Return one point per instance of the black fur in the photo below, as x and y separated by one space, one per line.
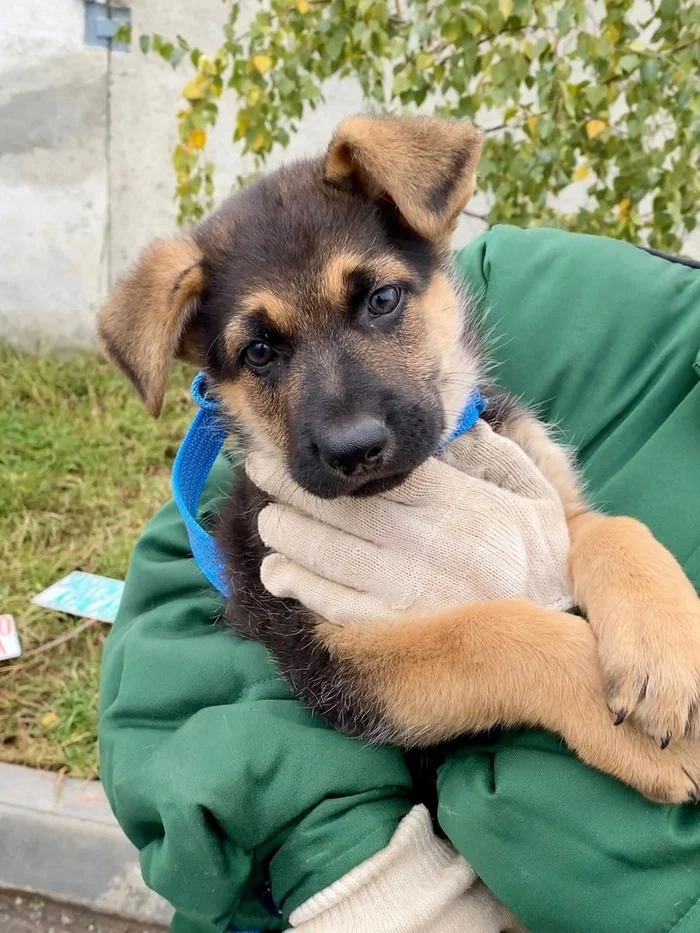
324 683
439 197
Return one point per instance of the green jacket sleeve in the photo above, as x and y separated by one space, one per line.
603 338
216 773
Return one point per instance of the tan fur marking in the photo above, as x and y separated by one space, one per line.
426 165
646 616
553 459
333 284
506 662
335 274
442 314
143 322
280 312
238 399
641 607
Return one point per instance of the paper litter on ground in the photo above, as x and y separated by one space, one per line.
9 640
84 594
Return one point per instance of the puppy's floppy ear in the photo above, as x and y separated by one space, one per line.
425 165
143 324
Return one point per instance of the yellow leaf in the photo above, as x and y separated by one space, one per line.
241 124
506 8
258 143
262 63
624 207
613 33
595 128
637 46
197 139
206 66
303 6
423 61
532 122
581 172
253 95
49 719
195 89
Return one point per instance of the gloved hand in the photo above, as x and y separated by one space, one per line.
417 884
492 529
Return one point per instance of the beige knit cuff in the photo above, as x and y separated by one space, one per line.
417 884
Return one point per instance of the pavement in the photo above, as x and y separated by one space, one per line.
21 913
61 843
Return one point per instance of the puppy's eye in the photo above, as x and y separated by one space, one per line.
385 299
258 355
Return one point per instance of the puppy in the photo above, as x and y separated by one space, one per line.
322 304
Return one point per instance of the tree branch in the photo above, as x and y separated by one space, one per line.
474 216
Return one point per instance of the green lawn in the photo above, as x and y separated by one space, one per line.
82 468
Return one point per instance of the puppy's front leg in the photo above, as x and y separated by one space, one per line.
646 616
421 680
641 606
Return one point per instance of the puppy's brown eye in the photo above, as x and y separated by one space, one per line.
385 299
258 355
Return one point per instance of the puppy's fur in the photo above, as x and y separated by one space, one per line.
322 304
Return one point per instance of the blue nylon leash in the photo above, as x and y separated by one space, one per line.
201 446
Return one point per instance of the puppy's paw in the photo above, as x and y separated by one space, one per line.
670 776
650 655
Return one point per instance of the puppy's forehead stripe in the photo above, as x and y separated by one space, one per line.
263 303
278 310
339 268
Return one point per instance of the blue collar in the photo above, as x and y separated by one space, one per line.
200 448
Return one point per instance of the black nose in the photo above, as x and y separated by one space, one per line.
354 447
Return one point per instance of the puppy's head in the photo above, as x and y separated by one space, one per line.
321 304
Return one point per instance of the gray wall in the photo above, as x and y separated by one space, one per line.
85 144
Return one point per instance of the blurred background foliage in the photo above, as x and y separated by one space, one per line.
605 94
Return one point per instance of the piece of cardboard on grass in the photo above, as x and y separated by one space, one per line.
84 594
9 640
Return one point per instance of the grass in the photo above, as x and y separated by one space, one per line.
82 469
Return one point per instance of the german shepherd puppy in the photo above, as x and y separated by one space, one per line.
322 304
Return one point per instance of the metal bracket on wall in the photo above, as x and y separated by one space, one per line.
103 22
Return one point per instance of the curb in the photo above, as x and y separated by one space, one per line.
61 840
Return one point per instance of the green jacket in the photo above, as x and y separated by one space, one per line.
223 780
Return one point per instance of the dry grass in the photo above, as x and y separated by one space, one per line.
82 468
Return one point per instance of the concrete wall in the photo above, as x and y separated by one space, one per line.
53 177
85 145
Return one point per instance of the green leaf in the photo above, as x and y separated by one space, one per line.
166 50
648 71
506 8
629 62
145 44
595 95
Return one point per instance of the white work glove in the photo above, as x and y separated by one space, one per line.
417 884
492 529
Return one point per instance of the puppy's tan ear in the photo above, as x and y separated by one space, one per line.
426 166
143 324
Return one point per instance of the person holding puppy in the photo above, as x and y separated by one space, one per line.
248 811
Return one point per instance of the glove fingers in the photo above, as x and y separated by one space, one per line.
362 518
426 484
288 580
499 460
329 552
